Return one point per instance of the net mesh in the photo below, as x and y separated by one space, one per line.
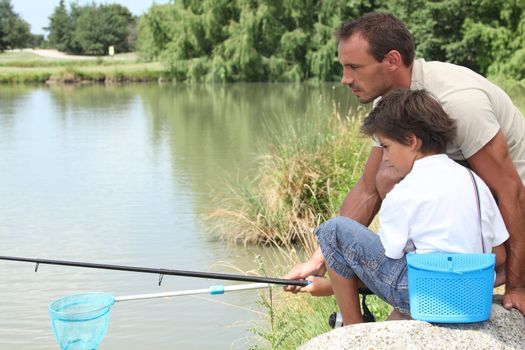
80 321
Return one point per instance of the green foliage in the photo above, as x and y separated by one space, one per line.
486 36
91 29
99 27
293 320
14 31
291 323
60 30
241 40
292 40
301 183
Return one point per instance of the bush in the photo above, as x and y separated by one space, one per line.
299 184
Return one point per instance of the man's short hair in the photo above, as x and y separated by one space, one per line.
403 112
384 33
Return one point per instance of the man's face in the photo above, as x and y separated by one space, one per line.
364 75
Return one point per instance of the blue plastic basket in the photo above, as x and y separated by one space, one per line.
450 288
80 321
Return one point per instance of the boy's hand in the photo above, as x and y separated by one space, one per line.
319 287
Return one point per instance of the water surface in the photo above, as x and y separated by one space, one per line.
123 175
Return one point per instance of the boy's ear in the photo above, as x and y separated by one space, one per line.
413 142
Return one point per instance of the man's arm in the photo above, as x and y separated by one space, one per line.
494 165
363 201
360 204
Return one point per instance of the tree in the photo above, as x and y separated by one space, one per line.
479 34
292 40
38 40
98 27
91 29
14 31
60 30
245 40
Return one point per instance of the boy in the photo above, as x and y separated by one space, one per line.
433 209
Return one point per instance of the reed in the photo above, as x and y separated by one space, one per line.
291 320
300 183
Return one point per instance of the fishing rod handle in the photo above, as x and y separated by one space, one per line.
213 290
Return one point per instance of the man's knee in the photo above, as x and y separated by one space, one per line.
387 177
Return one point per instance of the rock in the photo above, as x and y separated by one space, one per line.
504 330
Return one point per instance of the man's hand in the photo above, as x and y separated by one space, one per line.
315 266
514 298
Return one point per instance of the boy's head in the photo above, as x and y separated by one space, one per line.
402 113
412 123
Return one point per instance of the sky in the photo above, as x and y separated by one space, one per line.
37 12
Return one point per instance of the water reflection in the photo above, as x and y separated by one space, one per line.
215 131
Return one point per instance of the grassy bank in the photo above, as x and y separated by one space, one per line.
25 67
299 184
292 320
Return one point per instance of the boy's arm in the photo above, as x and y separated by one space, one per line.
320 287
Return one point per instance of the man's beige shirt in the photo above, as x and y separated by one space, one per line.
479 107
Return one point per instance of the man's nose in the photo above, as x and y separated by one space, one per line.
347 78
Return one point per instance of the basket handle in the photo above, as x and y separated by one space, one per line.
434 269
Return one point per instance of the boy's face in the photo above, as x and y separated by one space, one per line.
399 156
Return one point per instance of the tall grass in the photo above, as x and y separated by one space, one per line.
312 164
292 320
300 183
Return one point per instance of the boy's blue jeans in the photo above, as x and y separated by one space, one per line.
352 250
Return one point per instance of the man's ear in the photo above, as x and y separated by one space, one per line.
393 60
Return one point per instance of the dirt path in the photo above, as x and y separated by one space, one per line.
56 54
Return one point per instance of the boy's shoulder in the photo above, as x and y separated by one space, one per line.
430 176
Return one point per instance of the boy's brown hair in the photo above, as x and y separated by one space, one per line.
403 112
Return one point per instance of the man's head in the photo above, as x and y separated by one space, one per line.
409 124
376 52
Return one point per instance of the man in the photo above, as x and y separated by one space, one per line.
377 55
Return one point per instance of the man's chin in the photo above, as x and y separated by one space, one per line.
365 99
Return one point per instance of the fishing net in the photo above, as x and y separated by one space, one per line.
80 321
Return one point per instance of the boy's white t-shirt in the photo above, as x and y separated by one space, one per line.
435 207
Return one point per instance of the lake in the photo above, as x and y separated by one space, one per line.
125 175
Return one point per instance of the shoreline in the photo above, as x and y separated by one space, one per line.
54 67
78 81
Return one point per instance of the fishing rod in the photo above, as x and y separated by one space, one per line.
160 271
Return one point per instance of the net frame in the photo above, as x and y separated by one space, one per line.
80 321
